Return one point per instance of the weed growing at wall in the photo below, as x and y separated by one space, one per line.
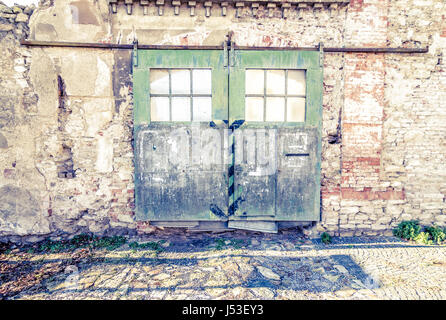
82 241
4 248
147 245
325 238
408 230
221 244
437 234
411 230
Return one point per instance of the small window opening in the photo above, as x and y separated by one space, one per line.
180 95
275 95
65 163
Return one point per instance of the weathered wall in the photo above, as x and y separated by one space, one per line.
22 197
393 120
66 159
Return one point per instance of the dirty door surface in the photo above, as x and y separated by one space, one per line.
190 167
180 171
277 96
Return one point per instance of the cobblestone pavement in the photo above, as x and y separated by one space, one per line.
243 265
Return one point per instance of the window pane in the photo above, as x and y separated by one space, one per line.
275 109
201 81
180 81
296 82
254 81
159 109
296 110
159 81
202 109
275 81
181 109
254 109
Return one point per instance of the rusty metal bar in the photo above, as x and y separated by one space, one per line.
379 50
339 49
236 47
35 43
174 47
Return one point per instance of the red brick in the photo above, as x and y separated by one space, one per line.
367 194
330 191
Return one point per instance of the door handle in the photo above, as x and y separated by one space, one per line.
297 154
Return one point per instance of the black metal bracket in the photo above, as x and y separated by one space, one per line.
231 54
135 53
321 54
225 53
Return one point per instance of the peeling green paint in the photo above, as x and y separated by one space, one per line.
193 193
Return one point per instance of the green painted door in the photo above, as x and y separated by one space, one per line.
277 96
225 136
180 169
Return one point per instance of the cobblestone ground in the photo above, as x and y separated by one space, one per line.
241 265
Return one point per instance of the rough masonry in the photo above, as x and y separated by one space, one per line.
66 157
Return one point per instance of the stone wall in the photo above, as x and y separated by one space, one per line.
22 211
393 120
66 158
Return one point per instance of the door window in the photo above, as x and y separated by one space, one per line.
180 95
275 95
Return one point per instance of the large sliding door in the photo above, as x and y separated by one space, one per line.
180 172
228 136
278 95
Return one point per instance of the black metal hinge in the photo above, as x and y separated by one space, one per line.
321 54
135 53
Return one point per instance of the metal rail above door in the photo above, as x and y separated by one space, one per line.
37 43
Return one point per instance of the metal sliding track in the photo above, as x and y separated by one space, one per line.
36 43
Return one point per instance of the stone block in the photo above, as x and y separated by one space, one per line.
349 210
379 227
104 155
21 17
6 27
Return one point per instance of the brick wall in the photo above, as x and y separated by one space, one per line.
393 116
